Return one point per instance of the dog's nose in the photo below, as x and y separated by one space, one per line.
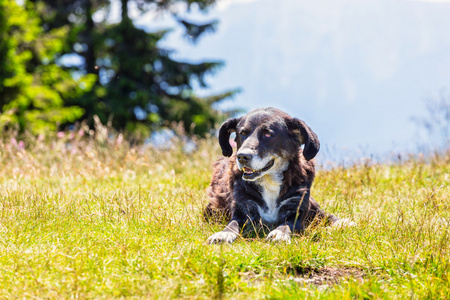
244 158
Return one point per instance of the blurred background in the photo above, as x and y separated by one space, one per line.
371 78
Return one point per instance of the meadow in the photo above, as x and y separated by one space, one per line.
92 217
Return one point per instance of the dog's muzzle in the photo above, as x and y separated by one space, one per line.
250 174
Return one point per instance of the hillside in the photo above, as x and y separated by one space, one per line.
100 219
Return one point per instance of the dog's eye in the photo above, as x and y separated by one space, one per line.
243 133
268 134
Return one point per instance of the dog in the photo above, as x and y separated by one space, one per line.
268 180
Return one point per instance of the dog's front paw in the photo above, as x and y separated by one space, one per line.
341 223
277 235
222 237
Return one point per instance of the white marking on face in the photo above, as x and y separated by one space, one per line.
257 163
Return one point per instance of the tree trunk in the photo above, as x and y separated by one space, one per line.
125 17
90 59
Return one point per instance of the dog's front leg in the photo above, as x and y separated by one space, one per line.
243 214
228 235
284 232
291 219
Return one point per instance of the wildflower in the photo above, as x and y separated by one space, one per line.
119 139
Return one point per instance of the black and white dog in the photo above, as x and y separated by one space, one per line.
268 180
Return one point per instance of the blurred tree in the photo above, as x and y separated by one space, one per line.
435 123
139 87
33 88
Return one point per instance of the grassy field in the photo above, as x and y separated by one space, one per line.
98 219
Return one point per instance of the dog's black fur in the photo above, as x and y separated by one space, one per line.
268 180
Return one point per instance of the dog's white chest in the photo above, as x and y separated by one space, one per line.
270 190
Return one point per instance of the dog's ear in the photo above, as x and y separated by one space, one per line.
224 135
306 137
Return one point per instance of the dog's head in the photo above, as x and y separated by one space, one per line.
267 139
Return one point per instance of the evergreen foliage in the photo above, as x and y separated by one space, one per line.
138 86
33 87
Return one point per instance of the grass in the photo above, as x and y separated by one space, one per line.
86 218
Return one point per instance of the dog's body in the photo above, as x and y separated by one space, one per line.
268 180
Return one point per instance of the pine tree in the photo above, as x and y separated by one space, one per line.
139 86
33 88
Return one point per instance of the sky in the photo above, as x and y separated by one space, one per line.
357 72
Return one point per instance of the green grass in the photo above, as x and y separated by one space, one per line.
104 220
